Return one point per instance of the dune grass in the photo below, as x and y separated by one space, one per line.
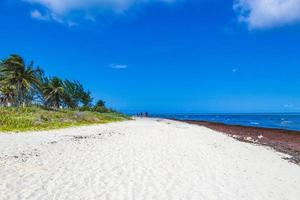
34 118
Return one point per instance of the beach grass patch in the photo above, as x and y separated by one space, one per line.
35 118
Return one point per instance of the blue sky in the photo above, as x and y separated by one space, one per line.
165 55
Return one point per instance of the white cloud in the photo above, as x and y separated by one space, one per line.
260 14
62 8
38 15
118 66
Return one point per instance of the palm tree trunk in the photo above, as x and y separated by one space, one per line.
22 97
19 92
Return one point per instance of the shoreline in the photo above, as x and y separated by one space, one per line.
284 141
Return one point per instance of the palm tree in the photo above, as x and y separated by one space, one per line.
7 94
86 99
72 93
54 92
37 93
22 84
22 77
76 95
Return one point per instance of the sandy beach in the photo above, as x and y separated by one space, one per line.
142 159
284 141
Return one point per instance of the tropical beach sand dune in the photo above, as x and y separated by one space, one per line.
142 159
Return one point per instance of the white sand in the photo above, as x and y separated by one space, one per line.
142 159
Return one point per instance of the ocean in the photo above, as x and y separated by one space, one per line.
278 121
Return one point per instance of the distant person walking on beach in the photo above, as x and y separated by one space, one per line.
143 114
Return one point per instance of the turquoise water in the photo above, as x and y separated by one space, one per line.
279 121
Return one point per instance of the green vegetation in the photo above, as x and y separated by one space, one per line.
29 100
34 118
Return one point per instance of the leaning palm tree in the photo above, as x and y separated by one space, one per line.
17 74
37 96
72 93
76 95
86 98
54 92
